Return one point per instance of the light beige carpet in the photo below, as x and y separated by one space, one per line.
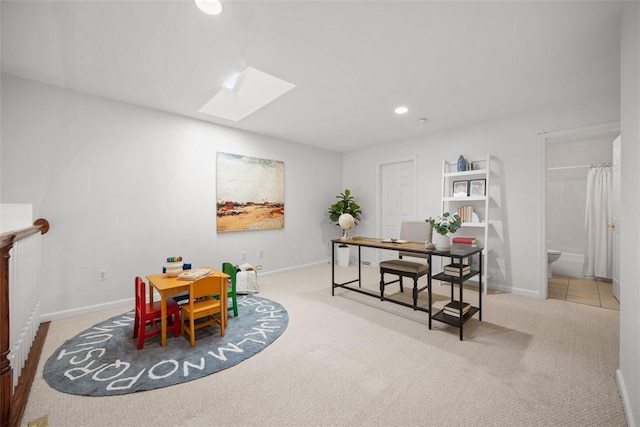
352 360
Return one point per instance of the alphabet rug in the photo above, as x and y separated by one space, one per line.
104 360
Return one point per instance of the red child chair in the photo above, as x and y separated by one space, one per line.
148 315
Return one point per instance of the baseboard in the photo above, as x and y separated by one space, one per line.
126 303
626 404
515 291
297 267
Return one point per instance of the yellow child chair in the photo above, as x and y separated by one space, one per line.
202 304
230 269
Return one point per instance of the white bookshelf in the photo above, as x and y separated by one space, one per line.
480 202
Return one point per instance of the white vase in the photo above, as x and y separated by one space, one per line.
442 242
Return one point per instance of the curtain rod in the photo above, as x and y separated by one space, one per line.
592 165
583 131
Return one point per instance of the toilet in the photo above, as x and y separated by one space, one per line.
552 256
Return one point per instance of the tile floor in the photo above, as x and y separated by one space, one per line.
582 291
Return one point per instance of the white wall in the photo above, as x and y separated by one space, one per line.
125 187
517 249
629 372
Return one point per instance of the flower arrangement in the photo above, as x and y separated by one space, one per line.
446 223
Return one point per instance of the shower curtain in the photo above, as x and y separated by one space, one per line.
598 216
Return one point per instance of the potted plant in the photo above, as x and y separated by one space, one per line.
345 205
442 226
344 213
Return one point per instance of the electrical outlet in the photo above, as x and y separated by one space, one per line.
244 256
102 275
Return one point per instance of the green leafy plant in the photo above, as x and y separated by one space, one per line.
345 204
446 223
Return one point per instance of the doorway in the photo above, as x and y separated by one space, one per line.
397 203
571 156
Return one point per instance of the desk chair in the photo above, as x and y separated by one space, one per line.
202 304
413 231
231 270
147 315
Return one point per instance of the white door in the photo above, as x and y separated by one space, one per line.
614 226
397 199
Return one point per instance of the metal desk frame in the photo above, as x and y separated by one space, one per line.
457 252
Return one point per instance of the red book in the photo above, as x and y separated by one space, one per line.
467 240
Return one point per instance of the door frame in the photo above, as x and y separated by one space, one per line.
617 184
594 130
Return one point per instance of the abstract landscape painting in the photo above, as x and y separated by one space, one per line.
250 193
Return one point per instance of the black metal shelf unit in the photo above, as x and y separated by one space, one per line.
459 280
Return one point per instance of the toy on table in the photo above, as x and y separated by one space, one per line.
173 267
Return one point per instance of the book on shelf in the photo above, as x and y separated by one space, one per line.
464 240
454 269
456 266
454 307
455 273
465 213
465 267
453 313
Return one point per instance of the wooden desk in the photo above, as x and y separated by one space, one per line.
457 253
167 286
410 247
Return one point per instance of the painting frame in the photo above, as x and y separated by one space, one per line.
478 187
460 189
249 193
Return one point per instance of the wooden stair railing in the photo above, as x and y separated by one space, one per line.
13 402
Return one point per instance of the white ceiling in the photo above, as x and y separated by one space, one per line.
353 62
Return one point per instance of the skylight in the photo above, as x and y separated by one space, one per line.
246 93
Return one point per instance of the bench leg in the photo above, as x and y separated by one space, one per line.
382 286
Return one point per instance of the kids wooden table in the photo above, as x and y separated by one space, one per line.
167 286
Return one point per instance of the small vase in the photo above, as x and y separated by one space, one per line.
345 234
462 163
442 242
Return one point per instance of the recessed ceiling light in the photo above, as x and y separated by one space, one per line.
421 121
210 7
401 110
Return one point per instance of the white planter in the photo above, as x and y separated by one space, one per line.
342 254
442 242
